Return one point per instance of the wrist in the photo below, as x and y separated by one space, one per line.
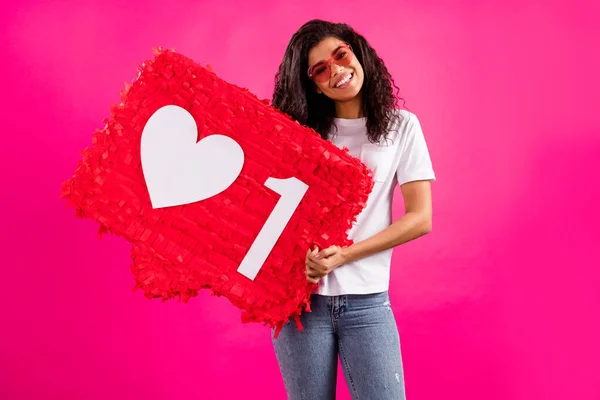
348 254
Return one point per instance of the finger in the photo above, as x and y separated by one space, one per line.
313 276
315 273
328 252
322 264
312 252
309 254
319 268
315 256
316 268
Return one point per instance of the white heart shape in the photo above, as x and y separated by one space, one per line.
177 169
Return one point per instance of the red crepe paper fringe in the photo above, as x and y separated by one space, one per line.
180 250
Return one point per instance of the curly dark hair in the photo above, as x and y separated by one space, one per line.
295 93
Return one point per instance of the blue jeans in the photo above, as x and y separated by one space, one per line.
361 330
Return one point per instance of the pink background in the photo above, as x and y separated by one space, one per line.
500 301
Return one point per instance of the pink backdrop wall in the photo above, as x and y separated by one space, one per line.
499 302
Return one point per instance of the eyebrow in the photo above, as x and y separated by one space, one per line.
337 48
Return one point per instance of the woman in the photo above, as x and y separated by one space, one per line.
332 80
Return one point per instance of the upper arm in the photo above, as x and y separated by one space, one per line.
415 162
417 197
415 171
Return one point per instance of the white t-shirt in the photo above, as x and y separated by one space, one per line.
402 158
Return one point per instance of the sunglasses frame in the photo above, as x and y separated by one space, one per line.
330 60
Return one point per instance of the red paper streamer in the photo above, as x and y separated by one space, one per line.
179 250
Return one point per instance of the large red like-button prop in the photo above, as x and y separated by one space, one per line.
216 189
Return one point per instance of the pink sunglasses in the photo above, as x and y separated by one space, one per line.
321 71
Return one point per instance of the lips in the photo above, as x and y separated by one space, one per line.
344 80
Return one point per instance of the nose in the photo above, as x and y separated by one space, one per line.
335 69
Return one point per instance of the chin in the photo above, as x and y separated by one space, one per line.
347 96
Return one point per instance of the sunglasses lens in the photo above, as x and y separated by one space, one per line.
321 73
343 57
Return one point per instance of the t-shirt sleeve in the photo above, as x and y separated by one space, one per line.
415 161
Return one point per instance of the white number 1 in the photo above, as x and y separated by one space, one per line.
292 190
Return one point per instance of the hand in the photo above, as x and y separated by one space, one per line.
320 263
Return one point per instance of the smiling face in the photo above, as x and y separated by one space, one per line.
335 70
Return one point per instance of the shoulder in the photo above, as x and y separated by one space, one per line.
406 120
404 125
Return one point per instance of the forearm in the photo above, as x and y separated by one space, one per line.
410 226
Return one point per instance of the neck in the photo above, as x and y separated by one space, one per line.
351 109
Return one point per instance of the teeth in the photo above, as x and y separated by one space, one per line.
343 80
